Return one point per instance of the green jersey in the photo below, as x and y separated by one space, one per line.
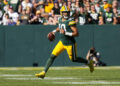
108 17
66 40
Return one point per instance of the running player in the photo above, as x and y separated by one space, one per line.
68 31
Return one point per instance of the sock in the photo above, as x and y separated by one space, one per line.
49 62
81 60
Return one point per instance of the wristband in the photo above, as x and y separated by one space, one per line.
54 31
68 34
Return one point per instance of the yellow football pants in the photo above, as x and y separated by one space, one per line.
71 50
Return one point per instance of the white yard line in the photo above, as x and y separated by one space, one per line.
13 75
46 78
24 75
90 82
68 78
57 68
23 78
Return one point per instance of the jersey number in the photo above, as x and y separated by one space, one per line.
62 26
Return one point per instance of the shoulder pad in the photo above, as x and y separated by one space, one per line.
72 23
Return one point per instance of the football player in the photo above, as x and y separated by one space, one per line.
68 31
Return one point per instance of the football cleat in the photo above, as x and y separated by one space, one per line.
91 65
40 75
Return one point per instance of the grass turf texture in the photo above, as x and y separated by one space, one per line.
60 76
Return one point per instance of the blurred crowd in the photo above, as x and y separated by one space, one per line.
47 12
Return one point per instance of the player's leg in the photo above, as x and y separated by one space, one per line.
72 52
56 51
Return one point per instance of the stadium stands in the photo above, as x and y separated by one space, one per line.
23 12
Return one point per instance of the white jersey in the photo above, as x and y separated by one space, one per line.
14 1
1 13
5 20
25 5
97 9
14 16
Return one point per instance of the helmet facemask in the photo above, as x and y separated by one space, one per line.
65 14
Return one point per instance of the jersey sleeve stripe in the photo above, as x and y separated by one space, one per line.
72 23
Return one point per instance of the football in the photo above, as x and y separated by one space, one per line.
51 36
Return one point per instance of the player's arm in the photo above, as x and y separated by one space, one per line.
53 32
75 31
56 30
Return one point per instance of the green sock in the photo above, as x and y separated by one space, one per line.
81 60
49 62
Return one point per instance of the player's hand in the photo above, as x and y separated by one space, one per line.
50 32
62 31
53 33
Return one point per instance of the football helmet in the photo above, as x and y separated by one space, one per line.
65 9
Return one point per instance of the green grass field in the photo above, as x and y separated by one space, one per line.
60 76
